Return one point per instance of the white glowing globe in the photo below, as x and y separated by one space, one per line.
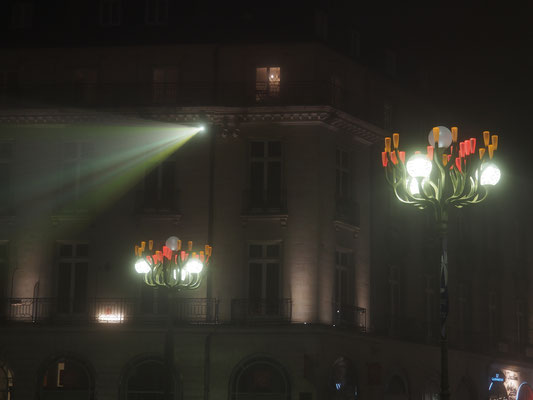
445 137
172 243
413 187
194 266
142 266
490 174
419 166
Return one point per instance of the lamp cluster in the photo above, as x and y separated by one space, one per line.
460 178
172 266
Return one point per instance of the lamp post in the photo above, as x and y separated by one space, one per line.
171 267
450 174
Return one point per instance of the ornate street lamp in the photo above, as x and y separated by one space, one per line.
449 174
172 267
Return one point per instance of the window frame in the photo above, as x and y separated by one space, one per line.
73 260
270 89
159 169
264 260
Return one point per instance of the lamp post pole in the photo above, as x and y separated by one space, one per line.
460 178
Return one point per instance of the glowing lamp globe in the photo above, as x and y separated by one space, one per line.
490 174
141 266
445 137
418 166
172 243
194 266
413 187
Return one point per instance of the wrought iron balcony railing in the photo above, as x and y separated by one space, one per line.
348 315
261 310
108 310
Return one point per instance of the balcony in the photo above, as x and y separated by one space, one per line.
350 316
250 311
107 311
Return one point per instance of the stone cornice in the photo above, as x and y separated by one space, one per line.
362 131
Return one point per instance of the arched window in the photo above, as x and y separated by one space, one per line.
525 392
147 380
263 379
497 390
66 378
6 382
396 389
343 385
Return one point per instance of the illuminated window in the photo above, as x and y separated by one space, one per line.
146 380
156 12
4 268
73 270
76 174
165 85
265 176
6 157
267 83
22 15
110 12
264 260
159 193
264 379
67 378
6 382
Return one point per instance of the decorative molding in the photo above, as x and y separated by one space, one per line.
282 218
362 131
347 227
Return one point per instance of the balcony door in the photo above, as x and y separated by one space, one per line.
264 278
73 270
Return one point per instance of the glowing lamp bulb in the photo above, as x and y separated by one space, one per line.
172 243
490 174
445 137
194 266
418 166
142 266
413 187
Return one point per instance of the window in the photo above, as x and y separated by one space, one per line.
22 15
156 12
73 270
67 378
265 176
159 194
344 288
6 156
267 83
264 379
4 268
110 12
165 85
264 278
147 380
6 382
343 176
75 175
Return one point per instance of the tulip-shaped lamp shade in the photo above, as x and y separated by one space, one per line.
445 137
141 266
194 266
490 174
418 166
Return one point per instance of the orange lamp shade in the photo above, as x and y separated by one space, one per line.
402 156
430 152
393 158
458 163
472 145
143 246
444 159
384 160
179 245
486 137
495 141
491 151
481 153
189 245
436 136
137 251
462 149
467 147
454 134
396 139
387 143
150 244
